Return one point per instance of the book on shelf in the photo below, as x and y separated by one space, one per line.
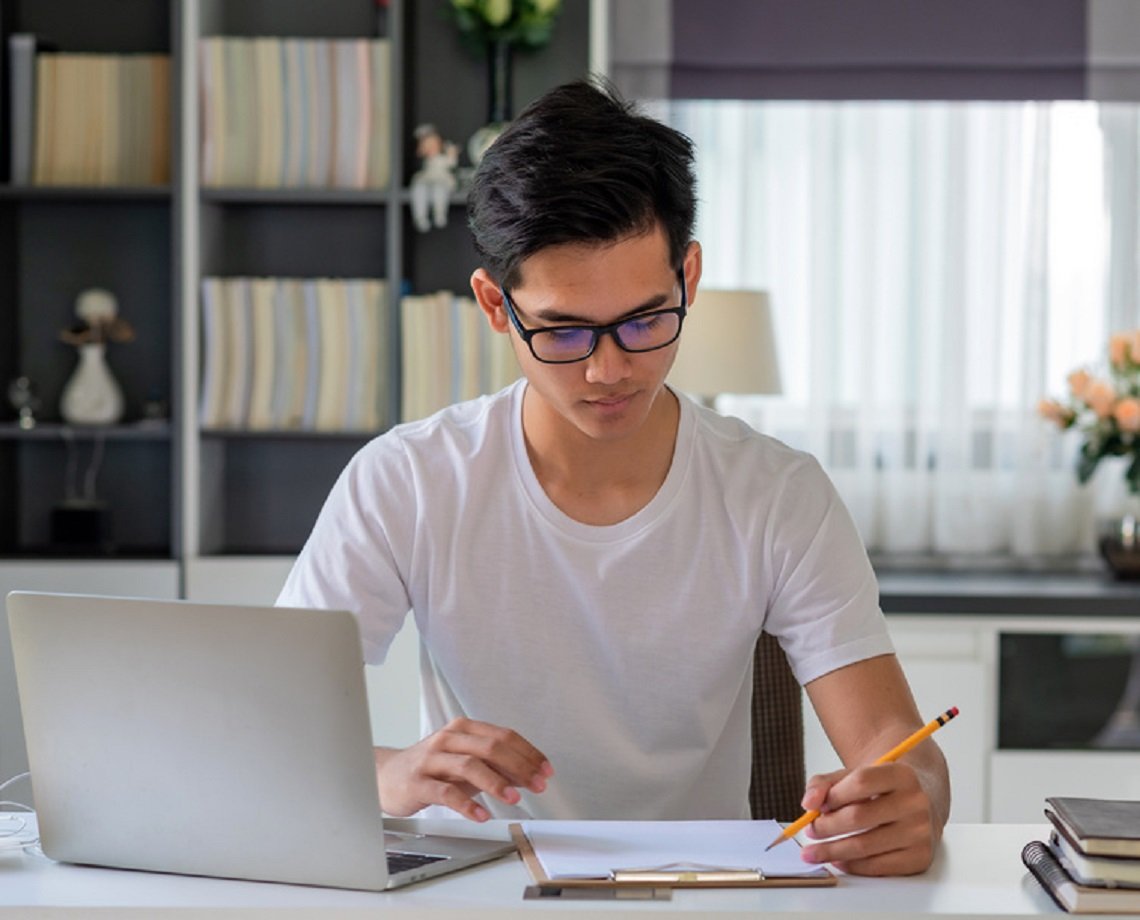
22 50
334 367
295 112
1070 894
294 354
449 353
95 119
1099 827
264 310
215 354
238 332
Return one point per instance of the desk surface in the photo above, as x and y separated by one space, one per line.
978 873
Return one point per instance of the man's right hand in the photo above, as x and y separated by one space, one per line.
453 765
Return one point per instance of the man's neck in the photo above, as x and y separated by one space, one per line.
600 482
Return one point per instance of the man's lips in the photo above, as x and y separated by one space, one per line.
614 400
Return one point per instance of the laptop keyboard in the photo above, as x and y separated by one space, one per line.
401 862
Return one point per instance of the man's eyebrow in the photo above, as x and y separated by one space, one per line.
557 316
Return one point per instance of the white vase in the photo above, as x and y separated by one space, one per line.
92 396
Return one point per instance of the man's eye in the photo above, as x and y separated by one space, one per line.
566 335
645 323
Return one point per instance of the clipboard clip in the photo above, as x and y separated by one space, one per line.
680 873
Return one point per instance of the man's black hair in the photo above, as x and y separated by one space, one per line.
580 165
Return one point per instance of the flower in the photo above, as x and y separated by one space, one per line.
99 320
1106 408
526 23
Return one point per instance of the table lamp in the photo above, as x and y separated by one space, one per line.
727 346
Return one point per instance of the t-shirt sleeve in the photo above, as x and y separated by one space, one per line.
352 560
824 603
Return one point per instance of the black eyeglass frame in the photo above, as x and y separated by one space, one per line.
610 329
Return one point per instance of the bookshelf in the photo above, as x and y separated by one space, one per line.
56 241
184 495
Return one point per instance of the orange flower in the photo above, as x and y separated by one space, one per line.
1079 381
1119 347
1053 411
1101 397
1127 414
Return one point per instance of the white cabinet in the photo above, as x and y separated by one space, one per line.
140 579
393 689
946 667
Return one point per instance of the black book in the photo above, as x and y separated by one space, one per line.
1099 827
1071 895
1094 870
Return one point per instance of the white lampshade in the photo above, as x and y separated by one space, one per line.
727 346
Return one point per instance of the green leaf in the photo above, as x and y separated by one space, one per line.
1087 462
1132 474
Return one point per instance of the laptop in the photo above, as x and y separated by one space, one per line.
208 739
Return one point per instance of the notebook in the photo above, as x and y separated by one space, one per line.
1071 895
1099 827
211 740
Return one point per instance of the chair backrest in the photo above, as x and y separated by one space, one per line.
777 735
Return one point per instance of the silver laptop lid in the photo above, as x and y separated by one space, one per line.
203 739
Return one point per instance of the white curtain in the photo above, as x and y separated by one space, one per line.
934 269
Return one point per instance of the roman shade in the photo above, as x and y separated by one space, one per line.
876 49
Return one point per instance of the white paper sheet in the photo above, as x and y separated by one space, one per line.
594 849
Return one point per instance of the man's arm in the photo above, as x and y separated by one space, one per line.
453 765
898 809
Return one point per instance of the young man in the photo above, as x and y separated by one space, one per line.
590 556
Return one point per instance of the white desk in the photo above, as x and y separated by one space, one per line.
978 873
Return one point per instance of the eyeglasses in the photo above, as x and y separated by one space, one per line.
567 344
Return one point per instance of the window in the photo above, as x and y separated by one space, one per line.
934 269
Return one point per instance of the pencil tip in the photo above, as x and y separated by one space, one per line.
773 843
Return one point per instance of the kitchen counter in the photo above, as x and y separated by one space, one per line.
1026 593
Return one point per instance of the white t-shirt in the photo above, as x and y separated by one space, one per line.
622 652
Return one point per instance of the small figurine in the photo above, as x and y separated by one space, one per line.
433 184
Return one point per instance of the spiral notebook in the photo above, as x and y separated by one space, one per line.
1071 895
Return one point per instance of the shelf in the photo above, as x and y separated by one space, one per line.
455 199
239 434
276 196
85 192
55 431
58 553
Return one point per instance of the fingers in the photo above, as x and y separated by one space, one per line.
875 820
504 751
815 795
878 852
456 764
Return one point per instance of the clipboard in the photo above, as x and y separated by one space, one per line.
666 878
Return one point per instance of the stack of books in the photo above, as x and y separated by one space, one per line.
295 113
87 119
449 353
1091 862
306 354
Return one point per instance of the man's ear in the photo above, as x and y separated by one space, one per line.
693 265
490 299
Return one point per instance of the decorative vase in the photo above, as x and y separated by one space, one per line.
92 396
500 73
1118 539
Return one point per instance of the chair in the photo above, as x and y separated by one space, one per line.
777 735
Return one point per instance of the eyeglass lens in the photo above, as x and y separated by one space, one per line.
642 333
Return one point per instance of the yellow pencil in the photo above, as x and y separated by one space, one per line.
893 754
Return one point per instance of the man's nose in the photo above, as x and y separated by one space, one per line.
609 363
